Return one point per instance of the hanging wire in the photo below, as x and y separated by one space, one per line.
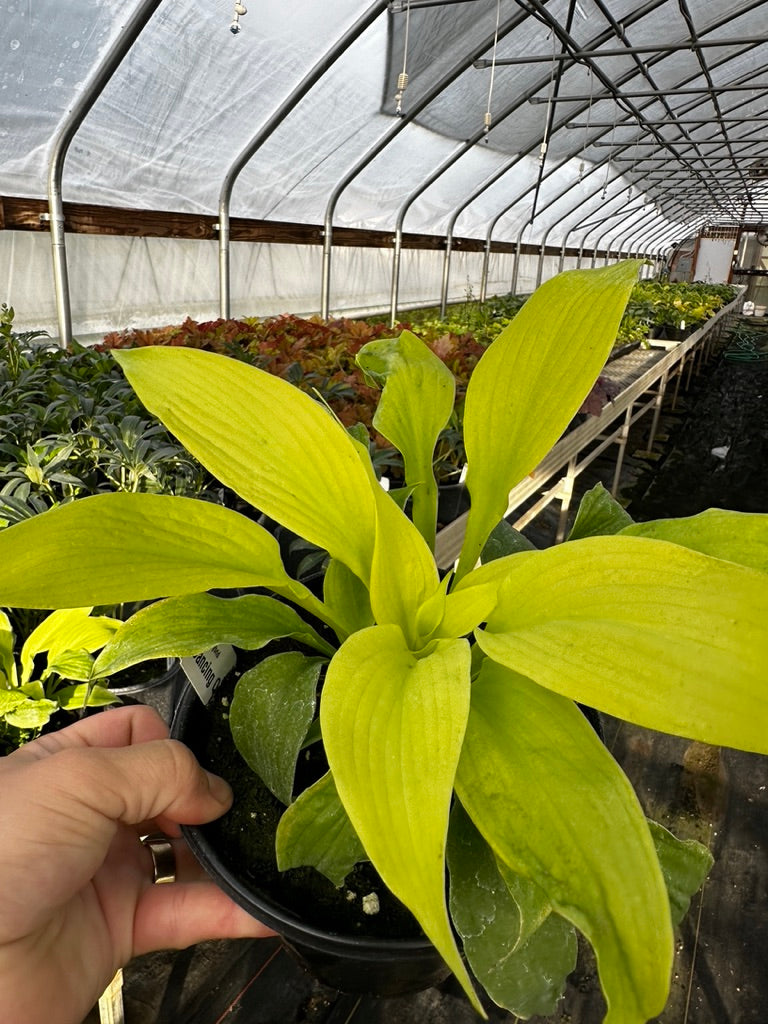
588 124
550 98
608 161
632 169
402 78
487 118
554 86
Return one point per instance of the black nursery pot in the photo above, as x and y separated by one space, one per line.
349 962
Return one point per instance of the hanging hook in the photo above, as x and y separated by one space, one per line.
236 27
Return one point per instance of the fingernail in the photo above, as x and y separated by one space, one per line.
220 789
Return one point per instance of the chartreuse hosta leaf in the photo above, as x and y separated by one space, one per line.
73 665
316 832
275 446
347 598
554 806
530 382
392 725
523 972
475 597
416 403
10 700
181 627
111 548
273 706
404 575
68 629
644 630
734 536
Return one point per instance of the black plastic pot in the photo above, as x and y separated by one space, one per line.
349 963
156 683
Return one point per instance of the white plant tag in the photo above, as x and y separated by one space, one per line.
205 671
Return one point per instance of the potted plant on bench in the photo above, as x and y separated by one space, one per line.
447 706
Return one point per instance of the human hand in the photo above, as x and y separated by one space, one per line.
76 889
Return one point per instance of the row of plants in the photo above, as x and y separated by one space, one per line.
453 759
657 307
71 425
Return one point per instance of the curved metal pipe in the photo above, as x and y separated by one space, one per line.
327 61
559 220
387 137
83 104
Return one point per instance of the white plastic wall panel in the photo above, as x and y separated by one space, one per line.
714 259
190 96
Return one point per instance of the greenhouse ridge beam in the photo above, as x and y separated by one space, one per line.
686 44
654 93
600 75
641 69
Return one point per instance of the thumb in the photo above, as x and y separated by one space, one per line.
135 784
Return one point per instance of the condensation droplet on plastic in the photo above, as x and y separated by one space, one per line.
14 44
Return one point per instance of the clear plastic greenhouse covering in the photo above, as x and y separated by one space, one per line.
366 154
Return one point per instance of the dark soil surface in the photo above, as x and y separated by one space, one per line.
718 455
244 838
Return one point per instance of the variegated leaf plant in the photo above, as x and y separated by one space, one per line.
448 709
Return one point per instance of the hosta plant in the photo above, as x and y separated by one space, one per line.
447 706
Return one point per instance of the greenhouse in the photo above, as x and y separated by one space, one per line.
382 416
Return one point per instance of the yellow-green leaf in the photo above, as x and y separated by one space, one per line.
735 536
73 697
404 575
8 675
530 382
181 627
68 629
416 403
271 443
111 548
554 805
642 629
315 831
393 725
346 597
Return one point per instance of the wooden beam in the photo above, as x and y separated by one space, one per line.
22 214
